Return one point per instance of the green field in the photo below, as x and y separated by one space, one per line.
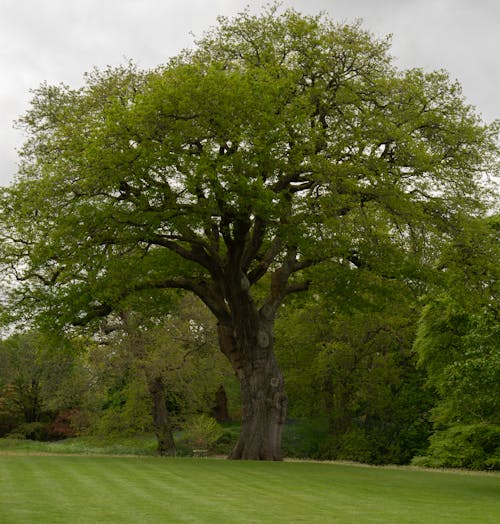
102 489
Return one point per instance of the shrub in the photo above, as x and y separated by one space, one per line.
225 444
474 446
31 431
201 432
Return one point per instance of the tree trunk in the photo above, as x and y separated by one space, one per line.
220 410
263 397
161 418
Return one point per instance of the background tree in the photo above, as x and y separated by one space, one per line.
155 375
346 353
279 142
458 344
42 381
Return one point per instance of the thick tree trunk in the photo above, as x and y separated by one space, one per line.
161 418
264 401
264 405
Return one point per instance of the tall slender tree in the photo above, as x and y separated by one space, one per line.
278 142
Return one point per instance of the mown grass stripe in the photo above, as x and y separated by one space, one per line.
55 489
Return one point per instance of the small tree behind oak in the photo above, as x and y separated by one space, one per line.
278 142
151 374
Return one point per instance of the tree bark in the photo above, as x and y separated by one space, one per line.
263 397
220 410
161 417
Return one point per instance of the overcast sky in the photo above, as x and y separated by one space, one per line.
58 40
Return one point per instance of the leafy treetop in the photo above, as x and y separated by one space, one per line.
279 141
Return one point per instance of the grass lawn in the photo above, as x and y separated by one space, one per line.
102 489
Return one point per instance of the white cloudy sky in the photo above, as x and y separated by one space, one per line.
58 40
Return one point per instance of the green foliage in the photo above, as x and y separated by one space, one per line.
304 438
179 353
279 143
84 445
458 343
226 442
475 446
41 376
201 432
126 411
350 365
292 134
10 414
460 348
30 430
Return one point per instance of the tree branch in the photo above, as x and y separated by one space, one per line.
255 243
279 282
260 270
197 252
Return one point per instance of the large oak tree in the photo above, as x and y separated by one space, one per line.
279 142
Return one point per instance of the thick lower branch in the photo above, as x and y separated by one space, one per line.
197 252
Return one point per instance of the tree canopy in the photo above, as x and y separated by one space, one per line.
280 142
458 344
